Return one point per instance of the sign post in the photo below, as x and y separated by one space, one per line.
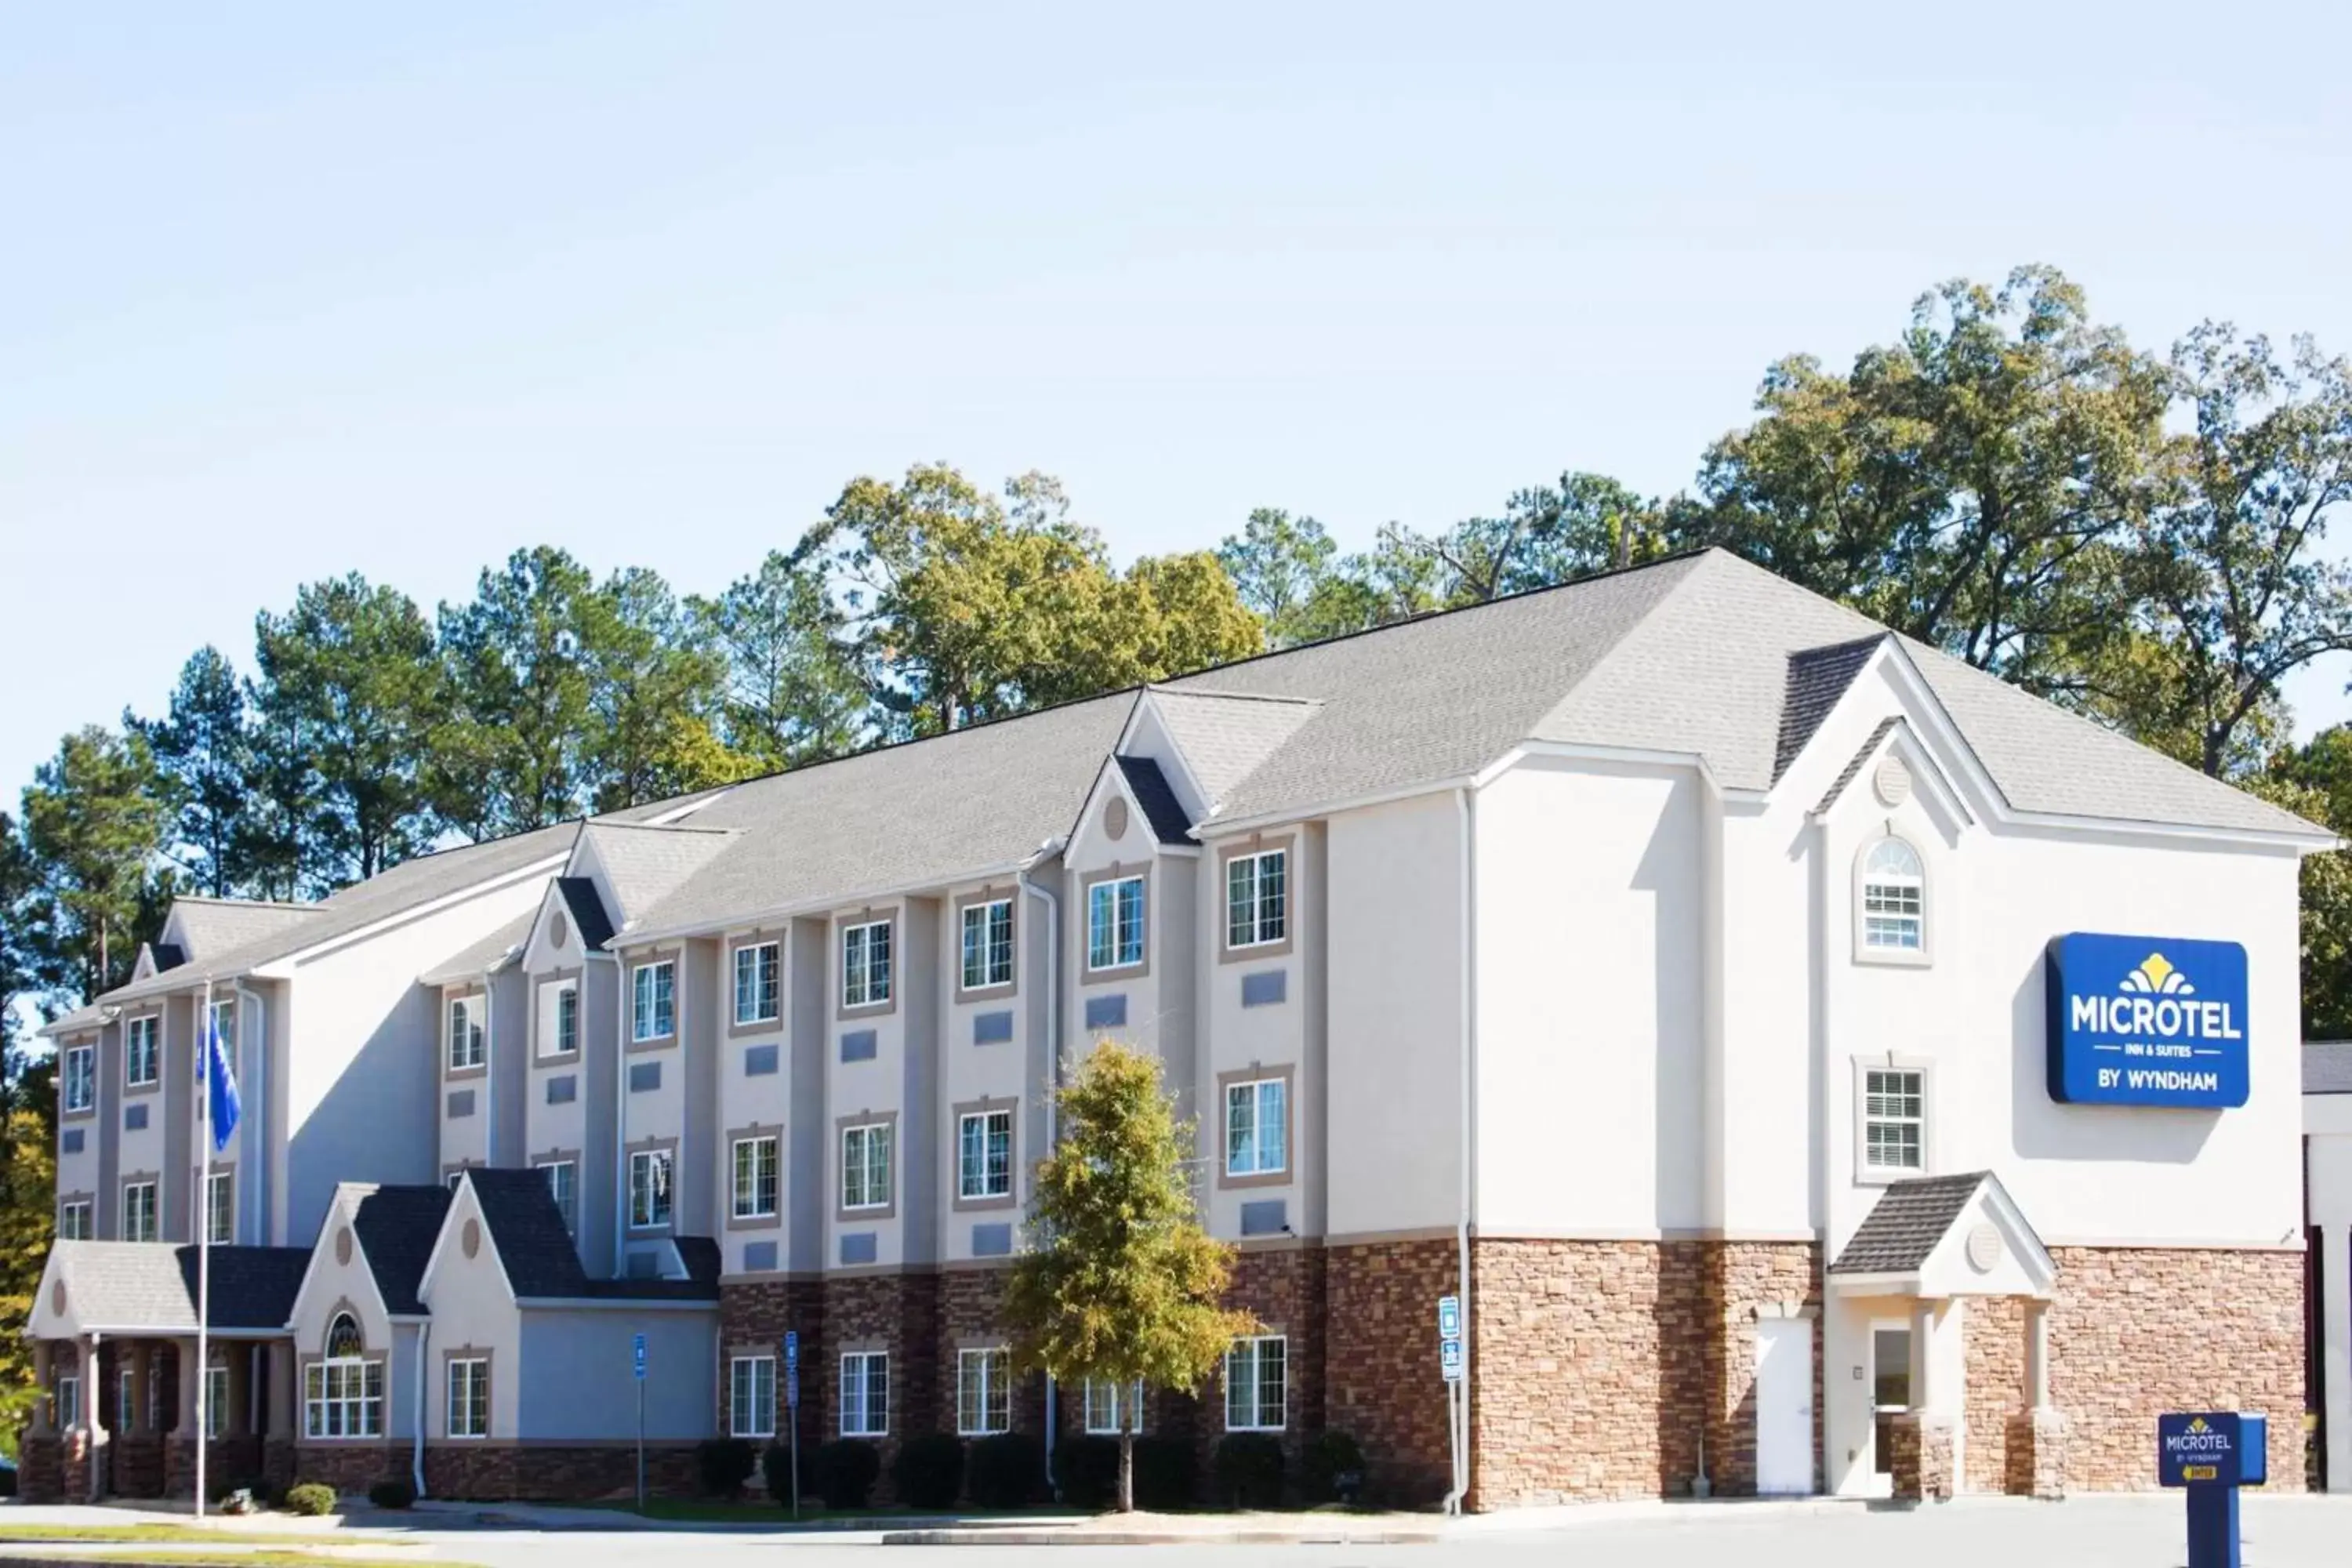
1449 1368
638 1351
792 1410
2211 1454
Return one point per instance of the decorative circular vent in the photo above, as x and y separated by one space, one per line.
471 1237
343 1246
1892 780
558 928
57 1299
1115 817
1984 1248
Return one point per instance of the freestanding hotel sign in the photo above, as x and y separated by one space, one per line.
2212 1452
2146 1020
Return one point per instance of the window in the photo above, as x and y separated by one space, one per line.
1255 1383
1894 1120
755 1177
988 944
1115 923
465 1032
984 1154
81 1077
469 1397
564 1040
68 1401
751 1396
220 1208
755 984
138 1211
866 964
866 1166
649 1189
342 1395
653 996
864 1393
143 1061
563 1186
73 1221
1894 898
126 1402
1106 1402
216 1400
1256 910
224 1021
1257 1127
983 1392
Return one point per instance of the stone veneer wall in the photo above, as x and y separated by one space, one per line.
898 1313
753 1316
1992 1341
969 1301
352 1468
494 1471
1284 1286
1380 1382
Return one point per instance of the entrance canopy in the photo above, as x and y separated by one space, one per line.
148 1289
1938 1236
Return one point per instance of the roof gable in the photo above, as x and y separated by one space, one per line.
1936 1237
153 1287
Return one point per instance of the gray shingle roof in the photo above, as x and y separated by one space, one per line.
542 1262
645 865
1224 735
1161 809
1818 677
220 925
397 1227
1853 763
1903 1226
2327 1067
492 951
588 915
153 1286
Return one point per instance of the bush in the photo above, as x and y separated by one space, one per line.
776 1469
1163 1474
1086 1470
392 1491
1248 1470
1329 1456
928 1471
846 1471
1008 1470
723 1465
8 1481
309 1498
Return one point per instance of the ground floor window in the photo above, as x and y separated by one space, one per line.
342 1395
1256 1383
69 1402
1890 1391
864 1393
215 1401
983 1392
469 1397
1107 1402
751 1396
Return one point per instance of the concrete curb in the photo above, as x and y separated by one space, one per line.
1076 1537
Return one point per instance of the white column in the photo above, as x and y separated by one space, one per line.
2037 1355
1923 1358
2336 1351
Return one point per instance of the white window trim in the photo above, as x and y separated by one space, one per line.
360 1406
1111 885
668 1157
640 1030
866 1359
1256 1384
1865 1173
963 1186
1919 957
69 1396
1122 1399
735 1177
889 1165
477 1375
762 1412
86 1080
571 1220
1257 859
983 910
1257 1125
152 1055
472 1034
865 966
997 1357
776 1001
153 1228
221 1181
550 1046
86 1229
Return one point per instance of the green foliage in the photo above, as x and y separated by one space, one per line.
723 1463
791 694
846 1471
393 1492
776 1471
1327 1456
204 747
309 1498
1086 1468
1248 1471
96 819
928 1470
1008 1470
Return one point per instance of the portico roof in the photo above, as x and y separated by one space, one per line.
149 1289
1934 1237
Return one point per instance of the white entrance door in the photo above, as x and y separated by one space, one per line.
1784 1407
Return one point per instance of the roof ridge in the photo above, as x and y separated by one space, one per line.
599 826
304 908
1225 694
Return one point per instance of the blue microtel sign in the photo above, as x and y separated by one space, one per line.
2146 1020
2212 1447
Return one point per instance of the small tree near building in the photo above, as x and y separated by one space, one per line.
1123 1285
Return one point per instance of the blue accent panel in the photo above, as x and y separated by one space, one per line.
758 1061
644 1076
991 1028
992 1240
1107 1011
71 1141
461 1103
2146 1020
562 1090
858 1045
759 1257
134 1119
1266 1217
858 1247
1265 987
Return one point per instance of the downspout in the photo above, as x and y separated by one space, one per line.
1054 1056
416 1421
490 1068
622 1002
1466 817
257 1131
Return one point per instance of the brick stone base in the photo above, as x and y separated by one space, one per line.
136 1467
490 1472
1923 1457
1381 1383
350 1468
1286 1288
41 1463
898 1313
2035 1451
969 1299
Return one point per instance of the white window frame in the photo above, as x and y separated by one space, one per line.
767 980
652 992
566 1194
148 1055
751 1396
984 1390
470 1377
1104 1404
69 1398
81 1079
861 985
1249 1354
76 1221
1255 1090
1866 1170
1874 887
757 1143
148 1231
1259 917
220 1207
345 1391
978 940
993 1182
561 997
1114 927
665 1192
467 1050
865 1415
215 1399
223 1024
868 1136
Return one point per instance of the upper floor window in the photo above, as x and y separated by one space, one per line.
1257 1384
649 1189
1257 912
223 1023
1894 911
563 1186
984 1154
1893 1121
465 1032
756 1173
866 1166
138 1211
81 1077
558 1020
988 944
343 1395
143 1053
220 1208
866 964
653 1005
755 984
1115 923
1257 1127
73 1220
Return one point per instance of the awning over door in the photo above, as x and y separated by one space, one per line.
1937 1236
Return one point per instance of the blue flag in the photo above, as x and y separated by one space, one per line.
220 1090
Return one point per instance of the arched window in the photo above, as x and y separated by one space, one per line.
1894 913
343 1393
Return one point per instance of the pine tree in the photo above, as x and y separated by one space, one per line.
203 745
95 823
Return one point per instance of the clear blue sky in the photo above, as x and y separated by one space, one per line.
288 290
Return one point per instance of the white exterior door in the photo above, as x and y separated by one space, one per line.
1784 1407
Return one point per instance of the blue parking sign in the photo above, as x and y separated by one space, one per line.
641 1357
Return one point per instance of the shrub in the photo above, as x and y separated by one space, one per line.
1008 1470
928 1471
1329 1456
724 1463
309 1498
1248 1470
392 1491
776 1469
1086 1470
847 1469
1163 1474
8 1481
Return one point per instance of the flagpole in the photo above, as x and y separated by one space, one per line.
204 1045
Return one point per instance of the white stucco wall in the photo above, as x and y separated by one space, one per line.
994 1076
474 1315
873 1088
752 1103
